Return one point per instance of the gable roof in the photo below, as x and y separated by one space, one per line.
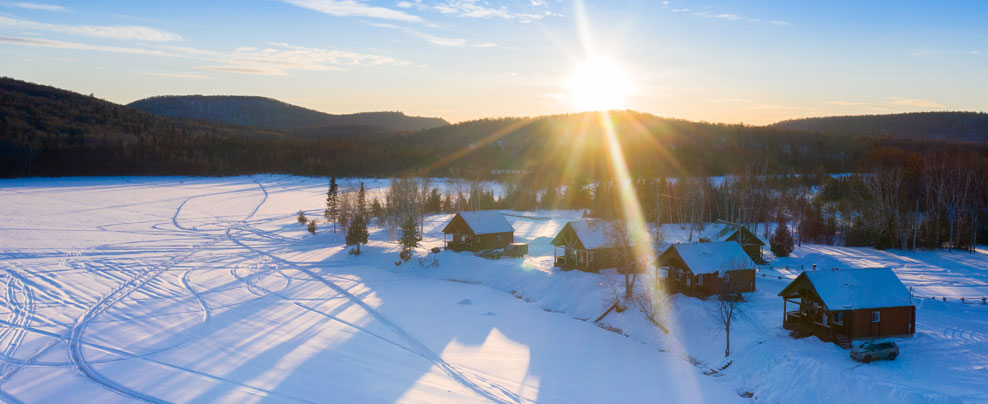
849 289
483 222
593 234
723 231
708 258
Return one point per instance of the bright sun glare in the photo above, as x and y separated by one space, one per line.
598 84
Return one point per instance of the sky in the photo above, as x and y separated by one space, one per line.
753 61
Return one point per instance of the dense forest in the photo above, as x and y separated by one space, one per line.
970 126
273 114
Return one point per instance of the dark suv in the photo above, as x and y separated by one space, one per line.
875 350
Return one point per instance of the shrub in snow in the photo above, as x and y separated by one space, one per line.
312 226
781 242
357 233
301 218
405 254
409 235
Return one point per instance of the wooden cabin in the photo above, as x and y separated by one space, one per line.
705 269
843 305
478 230
727 231
590 245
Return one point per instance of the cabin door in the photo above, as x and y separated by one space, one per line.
876 323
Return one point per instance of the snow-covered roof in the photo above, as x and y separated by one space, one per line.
848 289
597 233
718 231
486 221
708 258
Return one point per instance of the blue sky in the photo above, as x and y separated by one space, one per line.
725 61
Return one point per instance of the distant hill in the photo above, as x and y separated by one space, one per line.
49 131
269 113
967 126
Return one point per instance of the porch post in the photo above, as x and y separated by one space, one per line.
784 309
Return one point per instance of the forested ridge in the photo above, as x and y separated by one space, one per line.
51 132
972 126
268 113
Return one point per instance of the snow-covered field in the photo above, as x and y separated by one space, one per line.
206 290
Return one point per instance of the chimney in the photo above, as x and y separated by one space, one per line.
814 267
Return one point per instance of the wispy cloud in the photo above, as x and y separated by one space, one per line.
913 102
354 8
482 9
178 75
128 32
45 43
34 6
276 59
847 103
433 39
726 16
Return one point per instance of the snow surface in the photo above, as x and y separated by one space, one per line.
709 258
849 289
486 222
207 290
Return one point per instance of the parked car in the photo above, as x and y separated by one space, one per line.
875 350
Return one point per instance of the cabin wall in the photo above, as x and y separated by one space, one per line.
491 241
893 321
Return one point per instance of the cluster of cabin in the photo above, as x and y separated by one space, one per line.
835 305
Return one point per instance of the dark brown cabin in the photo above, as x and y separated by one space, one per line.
705 269
478 230
727 231
843 305
589 245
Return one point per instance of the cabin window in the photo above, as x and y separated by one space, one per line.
727 277
839 318
876 316
498 237
679 276
699 280
590 254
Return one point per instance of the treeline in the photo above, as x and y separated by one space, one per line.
970 126
50 132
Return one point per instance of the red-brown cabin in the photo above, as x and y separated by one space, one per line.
727 231
478 230
705 269
591 245
843 305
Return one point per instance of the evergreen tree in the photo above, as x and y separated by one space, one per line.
332 202
434 203
362 202
301 218
409 234
781 242
357 233
378 211
312 226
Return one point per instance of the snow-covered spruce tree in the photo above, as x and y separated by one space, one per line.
301 218
312 226
332 202
357 233
362 209
781 242
409 237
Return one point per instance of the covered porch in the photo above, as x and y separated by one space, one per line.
571 258
459 242
810 319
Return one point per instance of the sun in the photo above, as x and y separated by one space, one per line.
598 84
